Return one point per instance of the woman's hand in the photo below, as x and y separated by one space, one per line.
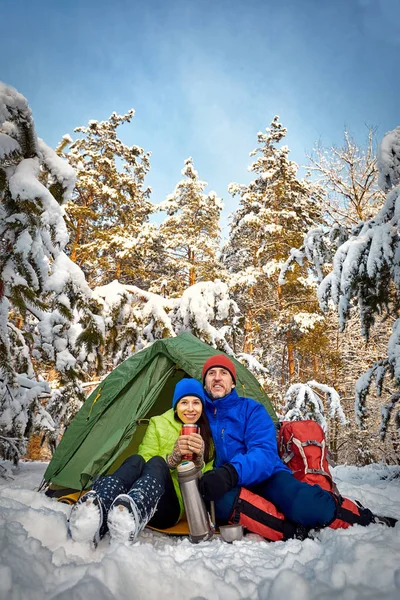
187 444
197 445
190 444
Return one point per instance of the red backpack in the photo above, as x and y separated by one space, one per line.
302 447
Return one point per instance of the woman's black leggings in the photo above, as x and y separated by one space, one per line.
134 467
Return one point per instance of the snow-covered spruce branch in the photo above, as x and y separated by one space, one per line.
386 412
304 402
376 374
12 448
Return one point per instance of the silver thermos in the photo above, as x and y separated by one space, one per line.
200 526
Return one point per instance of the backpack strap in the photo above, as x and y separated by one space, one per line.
300 446
285 452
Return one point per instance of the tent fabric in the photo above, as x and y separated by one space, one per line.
108 427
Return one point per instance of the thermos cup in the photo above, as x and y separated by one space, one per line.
200 526
187 429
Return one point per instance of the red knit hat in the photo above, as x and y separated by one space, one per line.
219 360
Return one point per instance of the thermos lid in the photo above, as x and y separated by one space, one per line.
187 471
185 466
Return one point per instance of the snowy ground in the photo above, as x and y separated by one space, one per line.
38 561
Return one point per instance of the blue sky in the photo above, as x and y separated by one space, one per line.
205 76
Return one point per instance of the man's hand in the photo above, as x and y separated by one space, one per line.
218 482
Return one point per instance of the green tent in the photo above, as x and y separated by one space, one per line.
110 425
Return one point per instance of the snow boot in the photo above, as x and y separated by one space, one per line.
389 521
124 522
86 521
350 513
130 513
108 488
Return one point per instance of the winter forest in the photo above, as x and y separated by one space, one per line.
304 291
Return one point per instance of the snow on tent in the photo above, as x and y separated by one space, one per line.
110 425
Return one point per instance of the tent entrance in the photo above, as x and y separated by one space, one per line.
161 405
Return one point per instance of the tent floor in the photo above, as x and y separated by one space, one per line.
180 528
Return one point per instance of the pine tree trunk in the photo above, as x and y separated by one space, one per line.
248 346
315 367
78 235
289 343
290 355
248 328
303 369
192 270
118 270
76 241
283 382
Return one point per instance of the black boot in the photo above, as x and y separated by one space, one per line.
131 512
389 521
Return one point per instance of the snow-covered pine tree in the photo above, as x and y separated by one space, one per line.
136 318
274 210
108 216
207 310
365 273
191 233
41 290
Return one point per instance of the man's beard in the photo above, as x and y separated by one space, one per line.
216 397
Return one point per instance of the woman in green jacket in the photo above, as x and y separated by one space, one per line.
145 489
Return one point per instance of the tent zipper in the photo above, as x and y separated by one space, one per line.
93 403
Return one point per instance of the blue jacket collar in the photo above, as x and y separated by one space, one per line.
225 402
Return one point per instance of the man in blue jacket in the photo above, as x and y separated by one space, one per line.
246 455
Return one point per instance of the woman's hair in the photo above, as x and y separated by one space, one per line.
205 432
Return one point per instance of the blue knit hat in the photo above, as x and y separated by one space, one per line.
187 387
